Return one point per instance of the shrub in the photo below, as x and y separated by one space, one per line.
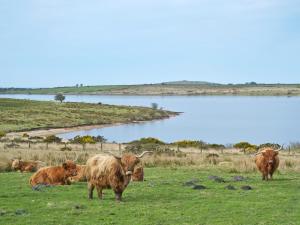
2 134
154 105
52 139
189 143
246 147
66 148
148 140
83 140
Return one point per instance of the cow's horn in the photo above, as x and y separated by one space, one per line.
281 147
117 157
145 152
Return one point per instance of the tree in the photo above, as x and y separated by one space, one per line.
59 97
52 139
244 145
154 105
83 140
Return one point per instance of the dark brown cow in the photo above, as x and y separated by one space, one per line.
267 161
24 166
108 171
138 174
54 175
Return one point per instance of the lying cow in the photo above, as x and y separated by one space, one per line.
54 175
138 174
81 174
108 171
26 166
267 161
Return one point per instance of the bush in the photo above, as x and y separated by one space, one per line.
67 148
189 143
148 140
52 139
270 145
2 134
138 148
154 105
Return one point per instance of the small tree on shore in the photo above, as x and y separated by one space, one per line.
154 105
83 140
51 139
59 97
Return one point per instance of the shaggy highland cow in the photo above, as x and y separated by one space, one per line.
54 175
267 161
26 166
108 171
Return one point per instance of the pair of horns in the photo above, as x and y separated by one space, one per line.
138 156
276 150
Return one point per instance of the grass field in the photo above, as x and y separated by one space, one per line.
22 115
175 88
161 199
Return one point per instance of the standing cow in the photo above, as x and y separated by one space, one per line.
54 175
267 161
108 171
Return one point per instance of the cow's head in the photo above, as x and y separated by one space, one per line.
16 163
270 156
70 168
129 161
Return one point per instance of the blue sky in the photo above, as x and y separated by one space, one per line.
62 42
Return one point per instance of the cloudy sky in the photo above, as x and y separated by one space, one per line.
62 42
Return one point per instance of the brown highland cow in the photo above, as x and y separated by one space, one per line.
26 166
138 174
267 161
54 175
108 171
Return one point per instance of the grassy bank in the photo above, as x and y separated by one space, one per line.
170 89
161 199
22 115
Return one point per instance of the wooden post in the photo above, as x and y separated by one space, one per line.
120 149
177 148
289 150
47 145
29 144
101 146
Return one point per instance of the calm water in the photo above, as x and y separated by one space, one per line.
213 119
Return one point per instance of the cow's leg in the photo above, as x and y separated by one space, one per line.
118 195
271 176
99 190
90 190
263 177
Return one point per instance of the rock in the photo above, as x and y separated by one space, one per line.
20 212
217 179
191 182
2 212
246 188
239 178
230 187
199 187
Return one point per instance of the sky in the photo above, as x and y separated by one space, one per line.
94 42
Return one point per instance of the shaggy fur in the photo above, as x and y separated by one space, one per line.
81 174
267 162
138 174
26 166
105 171
54 175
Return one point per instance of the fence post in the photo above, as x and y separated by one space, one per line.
120 148
29 144
101 146
177 148
289 150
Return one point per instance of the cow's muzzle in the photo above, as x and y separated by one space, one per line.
128 173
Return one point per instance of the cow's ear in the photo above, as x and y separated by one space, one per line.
263 153
276 153
65 165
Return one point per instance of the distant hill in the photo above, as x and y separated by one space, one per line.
187 82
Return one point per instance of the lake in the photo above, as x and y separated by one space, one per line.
214 119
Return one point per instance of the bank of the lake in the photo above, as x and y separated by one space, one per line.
27 115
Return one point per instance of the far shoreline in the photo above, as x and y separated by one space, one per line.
56 131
